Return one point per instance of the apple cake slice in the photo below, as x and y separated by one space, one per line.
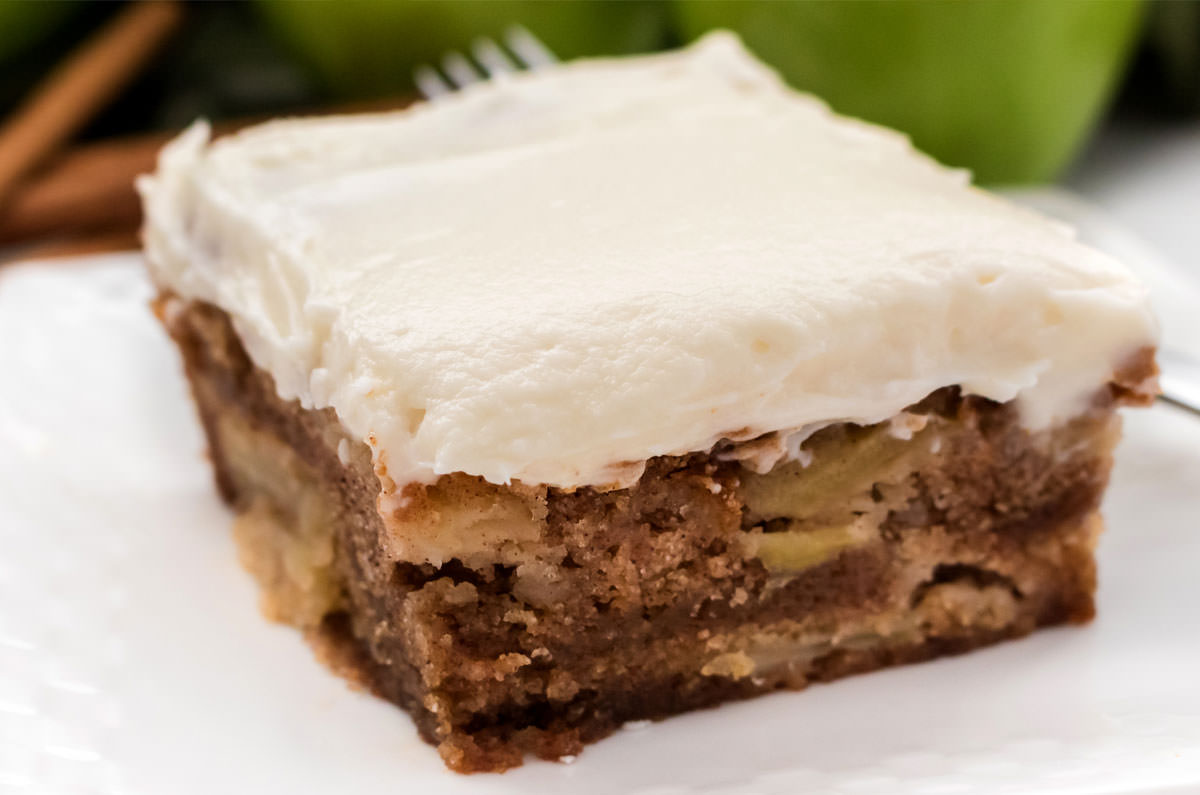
628 387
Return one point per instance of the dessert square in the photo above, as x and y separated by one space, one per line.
629 387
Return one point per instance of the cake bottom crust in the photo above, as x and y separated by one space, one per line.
705 581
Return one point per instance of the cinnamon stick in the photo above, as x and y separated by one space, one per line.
99 243
84 189
80 86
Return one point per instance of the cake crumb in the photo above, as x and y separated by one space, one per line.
904 425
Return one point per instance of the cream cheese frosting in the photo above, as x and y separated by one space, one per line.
552 276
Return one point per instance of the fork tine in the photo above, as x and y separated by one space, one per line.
528 48
459 69
431 84
492 58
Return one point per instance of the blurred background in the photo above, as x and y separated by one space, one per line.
1021 92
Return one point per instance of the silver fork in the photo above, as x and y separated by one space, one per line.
1180 380
521 50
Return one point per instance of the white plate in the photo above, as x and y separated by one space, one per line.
133 660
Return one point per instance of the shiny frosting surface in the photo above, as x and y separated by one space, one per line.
553 276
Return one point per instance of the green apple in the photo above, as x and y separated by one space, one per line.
369 47
1007 88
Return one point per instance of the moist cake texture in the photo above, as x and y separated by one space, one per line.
629 387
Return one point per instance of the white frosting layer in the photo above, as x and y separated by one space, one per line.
551 275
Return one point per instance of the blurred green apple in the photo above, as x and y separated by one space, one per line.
369 47
1007 88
